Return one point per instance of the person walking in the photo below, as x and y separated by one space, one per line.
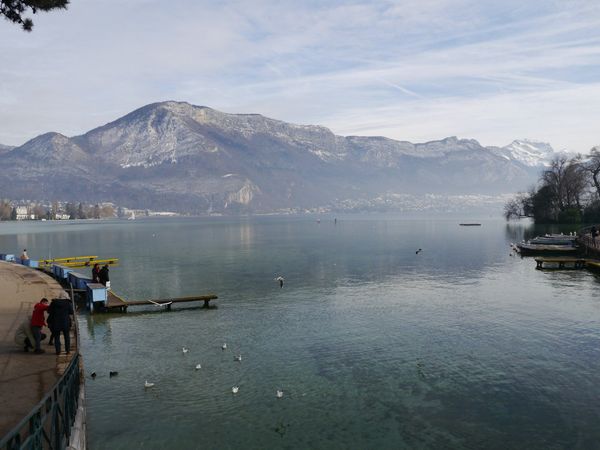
24 255
103 275
38 322
61 310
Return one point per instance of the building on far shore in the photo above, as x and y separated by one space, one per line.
23 213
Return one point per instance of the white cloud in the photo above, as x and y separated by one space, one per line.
413 70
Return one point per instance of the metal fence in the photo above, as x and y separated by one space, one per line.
48 425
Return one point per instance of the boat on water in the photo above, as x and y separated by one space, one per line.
469 224
549 244
526 248
554 239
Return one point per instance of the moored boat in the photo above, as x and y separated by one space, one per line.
554 239
528 248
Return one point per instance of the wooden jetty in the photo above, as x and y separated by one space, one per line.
561 262
115 302
98 296
592 264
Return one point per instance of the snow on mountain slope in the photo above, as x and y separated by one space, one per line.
529 153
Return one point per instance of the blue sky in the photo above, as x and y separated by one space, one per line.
412 70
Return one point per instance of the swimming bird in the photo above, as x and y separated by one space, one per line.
238 358
93 375
147 384
113 373
224 346
185 349
279 393
235 389
418 251
280 279
198 366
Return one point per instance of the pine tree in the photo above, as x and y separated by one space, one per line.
13 10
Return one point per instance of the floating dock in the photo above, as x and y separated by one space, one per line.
97 296
115 302
77 261
563 262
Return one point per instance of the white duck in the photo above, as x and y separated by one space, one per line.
279 393
235 389
147 384
185 349
198 366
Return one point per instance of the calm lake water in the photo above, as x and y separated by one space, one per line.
374 346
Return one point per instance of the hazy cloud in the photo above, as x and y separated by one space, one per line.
413 70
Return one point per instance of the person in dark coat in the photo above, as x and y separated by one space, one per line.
103 275
61 310
50 323
96 273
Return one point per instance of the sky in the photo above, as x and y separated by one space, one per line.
416 70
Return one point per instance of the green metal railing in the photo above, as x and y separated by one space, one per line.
48 425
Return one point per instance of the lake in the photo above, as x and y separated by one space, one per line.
462 345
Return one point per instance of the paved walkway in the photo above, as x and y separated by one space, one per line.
24 377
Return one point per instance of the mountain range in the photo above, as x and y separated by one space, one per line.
180 157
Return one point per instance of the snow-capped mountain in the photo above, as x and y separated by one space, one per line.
177 156
528 153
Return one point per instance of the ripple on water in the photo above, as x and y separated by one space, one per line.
460 346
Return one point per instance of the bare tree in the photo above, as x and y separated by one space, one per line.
592 166
518 207
566 180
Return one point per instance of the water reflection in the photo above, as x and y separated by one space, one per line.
375 346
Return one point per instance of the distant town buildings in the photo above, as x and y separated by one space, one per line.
23 213
31 210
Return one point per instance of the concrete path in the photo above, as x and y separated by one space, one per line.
24 377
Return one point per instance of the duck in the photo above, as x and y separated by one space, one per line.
93 375
185 349
147 384
279 393
238 358
113 373
235 389
198 366
224 346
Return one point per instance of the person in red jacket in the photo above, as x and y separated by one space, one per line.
37 322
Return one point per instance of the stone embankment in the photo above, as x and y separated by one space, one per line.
25 377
